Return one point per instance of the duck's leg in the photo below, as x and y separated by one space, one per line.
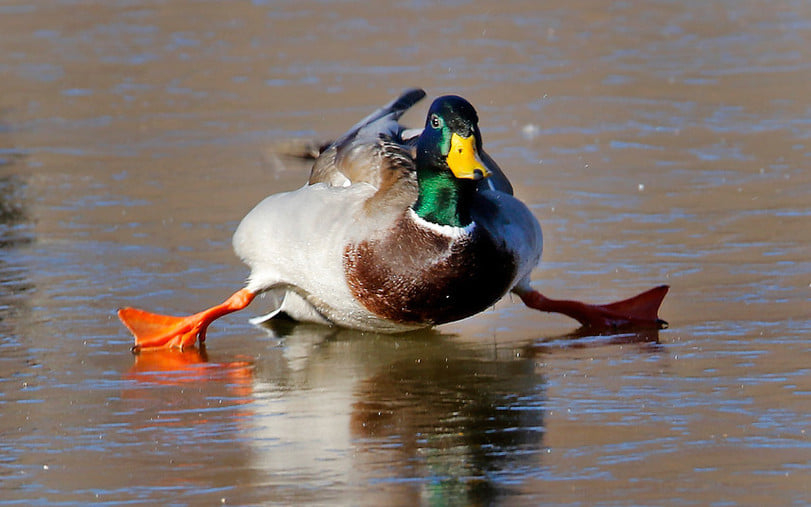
152 330
640 311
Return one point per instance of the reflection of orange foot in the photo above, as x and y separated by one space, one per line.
185 381
172 367
638 312
152 330
161 361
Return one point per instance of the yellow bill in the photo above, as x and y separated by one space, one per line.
463 159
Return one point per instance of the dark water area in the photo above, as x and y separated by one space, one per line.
656 142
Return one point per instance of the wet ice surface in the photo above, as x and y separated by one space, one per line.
657 143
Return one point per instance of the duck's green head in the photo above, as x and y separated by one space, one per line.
448 162
451 139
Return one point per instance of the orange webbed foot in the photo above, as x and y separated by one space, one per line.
640 311
152 330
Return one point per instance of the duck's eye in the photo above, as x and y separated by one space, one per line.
435 121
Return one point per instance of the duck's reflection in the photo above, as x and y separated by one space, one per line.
460 423
417 418
425 417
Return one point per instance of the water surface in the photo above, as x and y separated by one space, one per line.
657 142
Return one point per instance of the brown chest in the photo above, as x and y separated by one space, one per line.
417 275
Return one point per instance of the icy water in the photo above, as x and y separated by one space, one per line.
657 142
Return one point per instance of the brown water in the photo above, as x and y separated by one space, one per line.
657 142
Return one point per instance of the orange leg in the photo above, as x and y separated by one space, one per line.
640 311
152 330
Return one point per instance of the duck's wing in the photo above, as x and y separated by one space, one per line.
511 226
497 181
355 156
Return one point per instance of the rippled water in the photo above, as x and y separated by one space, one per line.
657 142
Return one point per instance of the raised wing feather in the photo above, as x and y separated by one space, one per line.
360 154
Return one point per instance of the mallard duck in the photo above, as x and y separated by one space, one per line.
396 229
